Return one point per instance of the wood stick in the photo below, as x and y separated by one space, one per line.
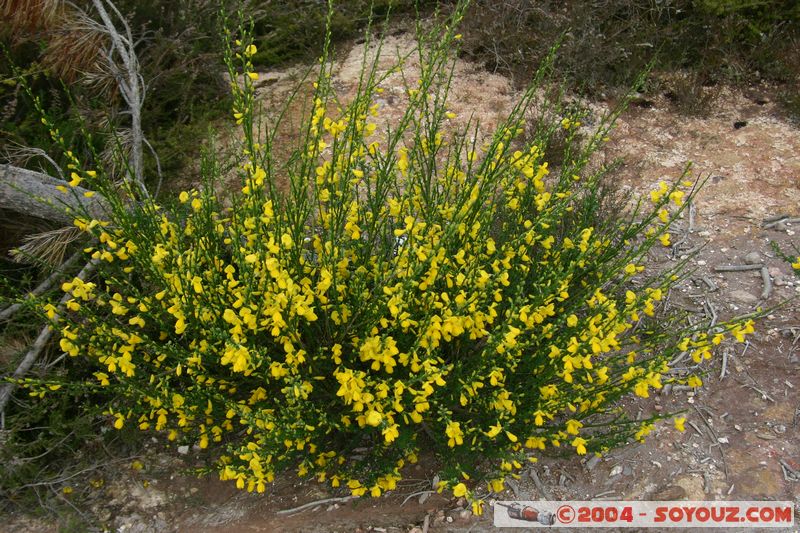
309 505
41 341
767 283
737 268
40 289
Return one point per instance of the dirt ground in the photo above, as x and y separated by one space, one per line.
741 439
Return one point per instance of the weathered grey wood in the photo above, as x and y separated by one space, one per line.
35 194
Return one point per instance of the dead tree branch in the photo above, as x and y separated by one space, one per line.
130 84
41 341
43 287
35 194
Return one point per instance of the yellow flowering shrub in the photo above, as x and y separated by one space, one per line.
412 290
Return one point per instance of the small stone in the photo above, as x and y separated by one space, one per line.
617 470
593 462
627 471
743 297
701 262
183 450
753 258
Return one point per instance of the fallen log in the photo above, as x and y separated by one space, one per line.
36 194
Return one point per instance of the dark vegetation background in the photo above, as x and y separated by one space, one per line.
605 44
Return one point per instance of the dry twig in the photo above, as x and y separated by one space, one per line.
309 505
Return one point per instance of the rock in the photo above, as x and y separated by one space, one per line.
693 486
183 450
593 462
753 258
669 493
743 297
617 470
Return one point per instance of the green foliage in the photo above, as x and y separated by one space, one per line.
609 42
296 31
411 290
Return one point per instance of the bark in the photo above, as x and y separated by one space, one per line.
35 194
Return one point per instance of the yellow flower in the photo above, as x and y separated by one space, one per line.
573 426
252 75
251 50
459 490
391 433
641 389
679 422
373 418
75 181
580 445
796 264
664 238
477 507
694 381
497 485
456 436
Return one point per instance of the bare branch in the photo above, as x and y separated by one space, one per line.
43 287
41 341
130 83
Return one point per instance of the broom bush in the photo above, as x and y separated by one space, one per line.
410 290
